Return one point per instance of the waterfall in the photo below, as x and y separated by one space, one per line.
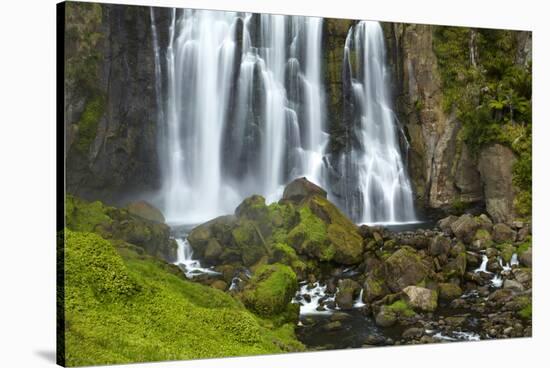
377 186
241 111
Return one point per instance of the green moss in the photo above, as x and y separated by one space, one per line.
523 247
526 312
251 243
506 251
283 253
84 216
310 235
401 308
88 123
271 289
133 310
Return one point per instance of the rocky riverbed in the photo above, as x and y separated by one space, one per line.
302 261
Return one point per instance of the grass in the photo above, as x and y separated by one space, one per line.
122 310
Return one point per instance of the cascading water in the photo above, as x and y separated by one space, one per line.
241 110
377 186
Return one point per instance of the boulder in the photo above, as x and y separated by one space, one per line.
465 228
449 291
502 233
485 222
412 333
526 258
404 268
301 188
496 164
270 289
513 284
212 251
253 208
325 233
385 317
445 224
440 245
146 210
374 288
420 298
348 290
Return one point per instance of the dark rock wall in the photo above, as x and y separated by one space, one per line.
110 104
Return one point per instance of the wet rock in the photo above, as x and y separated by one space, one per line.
374 288
524 232
513 284
375 340
526 258
404 268
455 321
146 210
332 326
348 290
502 233
445 224
485 222
213 251
440 245
449 291
300 189
339 316
522 275
420 298
412 333
500 296
385 317
465 227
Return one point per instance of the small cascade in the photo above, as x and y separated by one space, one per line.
483 266
192 267
310 298
359 302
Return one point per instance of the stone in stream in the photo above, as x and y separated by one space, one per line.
403 268
385 317
449 291
513 284
420 298
412 333
333 326
348 290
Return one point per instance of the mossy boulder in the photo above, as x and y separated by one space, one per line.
285 254
449 291
465 227
325 233
506 251
118 223
440 245
403 268
270 290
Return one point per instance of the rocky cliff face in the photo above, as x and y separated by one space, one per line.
440 164
110 107
446 173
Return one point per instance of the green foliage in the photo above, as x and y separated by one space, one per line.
134 310
490 94
491 98
271 289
